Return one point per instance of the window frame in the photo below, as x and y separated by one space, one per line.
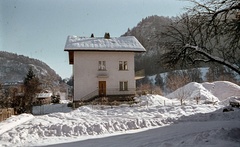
123 65
102 66
123 86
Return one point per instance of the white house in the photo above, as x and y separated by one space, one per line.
102 66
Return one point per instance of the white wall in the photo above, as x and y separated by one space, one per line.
85 71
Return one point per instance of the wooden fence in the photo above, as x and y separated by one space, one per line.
6 113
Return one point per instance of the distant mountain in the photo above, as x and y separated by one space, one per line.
13 68
148 32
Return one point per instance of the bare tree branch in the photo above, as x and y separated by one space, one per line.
210 32
213 58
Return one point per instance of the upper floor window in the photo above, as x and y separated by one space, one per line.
101 65
123 65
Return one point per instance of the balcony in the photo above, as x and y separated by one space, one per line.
102 74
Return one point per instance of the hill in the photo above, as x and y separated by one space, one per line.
148 32
14 67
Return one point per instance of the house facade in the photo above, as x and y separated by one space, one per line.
102 66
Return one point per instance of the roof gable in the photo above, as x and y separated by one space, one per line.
127 43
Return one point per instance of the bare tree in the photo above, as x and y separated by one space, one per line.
209 32
220 73
176 79
182 95
6 97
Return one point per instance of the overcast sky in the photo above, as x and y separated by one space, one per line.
39 28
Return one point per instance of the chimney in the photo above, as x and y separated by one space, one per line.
107 36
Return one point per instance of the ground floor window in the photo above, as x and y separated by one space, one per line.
123 85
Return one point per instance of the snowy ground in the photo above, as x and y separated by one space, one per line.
154 121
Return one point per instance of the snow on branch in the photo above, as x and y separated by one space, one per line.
212 57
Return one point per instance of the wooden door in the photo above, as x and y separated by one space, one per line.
102 88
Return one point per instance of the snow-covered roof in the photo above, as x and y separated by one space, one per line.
126 44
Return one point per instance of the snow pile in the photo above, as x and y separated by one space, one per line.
153 100
223 89
192 91
218 91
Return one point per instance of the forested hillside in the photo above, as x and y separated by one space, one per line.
148 32
13 68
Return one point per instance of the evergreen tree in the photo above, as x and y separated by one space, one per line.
70 82
159 81
32 87
29 77
195 75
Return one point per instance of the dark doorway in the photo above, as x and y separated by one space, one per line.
102 88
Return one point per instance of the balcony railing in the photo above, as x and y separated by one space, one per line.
102 74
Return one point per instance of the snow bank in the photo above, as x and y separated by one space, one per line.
203 134
97 120
14 121
191 91
197 134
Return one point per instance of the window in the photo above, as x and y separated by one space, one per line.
123 85
101 65
123 65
